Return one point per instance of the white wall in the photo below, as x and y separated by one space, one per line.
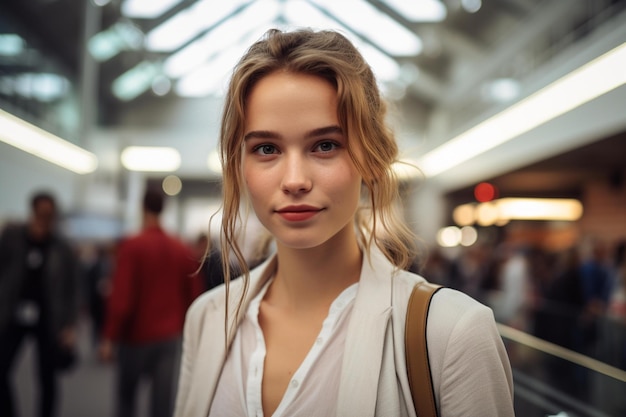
21 174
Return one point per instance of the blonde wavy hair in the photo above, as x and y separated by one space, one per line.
361 113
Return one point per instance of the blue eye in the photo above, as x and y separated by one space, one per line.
265 149
326 146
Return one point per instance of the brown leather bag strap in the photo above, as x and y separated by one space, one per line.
420 379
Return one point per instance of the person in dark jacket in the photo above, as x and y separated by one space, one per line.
38 298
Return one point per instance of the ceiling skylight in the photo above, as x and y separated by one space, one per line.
190 22
147 9
374 25
419 10
220 38
212 77
302 14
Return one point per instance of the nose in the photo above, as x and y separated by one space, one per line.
296 176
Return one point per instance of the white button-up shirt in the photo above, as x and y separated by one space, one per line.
314 387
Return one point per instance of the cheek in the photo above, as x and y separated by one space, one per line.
345 183
254 183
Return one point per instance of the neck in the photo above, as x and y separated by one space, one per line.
312 278
150 220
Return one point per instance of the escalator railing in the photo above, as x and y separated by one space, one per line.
551 380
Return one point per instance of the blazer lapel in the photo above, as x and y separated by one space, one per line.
365 340
212 355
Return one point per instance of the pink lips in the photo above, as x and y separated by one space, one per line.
298 213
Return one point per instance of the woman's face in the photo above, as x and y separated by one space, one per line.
301 180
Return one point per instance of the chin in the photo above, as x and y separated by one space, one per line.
300 241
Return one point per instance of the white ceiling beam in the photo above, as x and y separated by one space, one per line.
527 32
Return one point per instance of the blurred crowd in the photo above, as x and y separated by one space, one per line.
574 298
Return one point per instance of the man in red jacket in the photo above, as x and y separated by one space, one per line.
154 283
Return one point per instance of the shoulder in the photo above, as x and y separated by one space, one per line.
454 318
13 229
448 306
453 312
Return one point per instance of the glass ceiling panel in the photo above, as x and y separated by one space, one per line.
220 37
147 9
419 10
301 13
203 67
212 77
376 26
188 23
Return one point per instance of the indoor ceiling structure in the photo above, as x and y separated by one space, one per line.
446 62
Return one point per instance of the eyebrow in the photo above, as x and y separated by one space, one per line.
267 134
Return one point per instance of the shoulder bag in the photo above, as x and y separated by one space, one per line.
420 379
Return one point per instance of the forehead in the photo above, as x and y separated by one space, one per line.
286 98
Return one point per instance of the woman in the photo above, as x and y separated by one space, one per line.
318 329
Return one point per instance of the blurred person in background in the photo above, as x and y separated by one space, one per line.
557 317
597 285
617 299
212 268
469 269
212 271
512 296
39 292
611 344
154 282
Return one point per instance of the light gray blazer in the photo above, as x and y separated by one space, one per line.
470 368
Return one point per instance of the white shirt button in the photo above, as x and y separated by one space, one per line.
294 383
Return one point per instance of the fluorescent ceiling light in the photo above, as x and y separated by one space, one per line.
147 9
220 38
45 87
539 209
586 83
119 37
11 44
419 10
29 138
190 22
150 159
503 210
376 26
136 80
